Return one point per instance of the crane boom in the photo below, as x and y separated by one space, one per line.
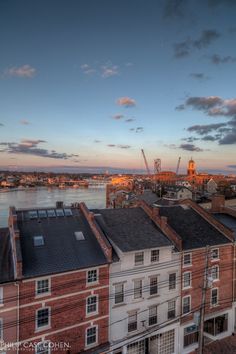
145 161
177 168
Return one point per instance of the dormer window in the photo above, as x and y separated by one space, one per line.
33 214
38 241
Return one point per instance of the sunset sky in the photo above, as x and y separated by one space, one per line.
90 83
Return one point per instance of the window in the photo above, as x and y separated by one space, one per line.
215 254
42 317
138 258
187 259
152 315
91 304
172 281
1 329
186 280
155 256
154 285
119 293
1 296
171 309
33 214
43 286
186 304
42 214
91 335
214 297
138 289
51 213
42 348
59 212
190 335
79 236
38 241
132 322
215 272
68 212
217 325
136 348
92 276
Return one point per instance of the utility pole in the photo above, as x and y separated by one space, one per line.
202 310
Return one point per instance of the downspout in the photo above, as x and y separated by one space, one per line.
18 319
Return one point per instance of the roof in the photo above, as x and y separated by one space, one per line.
61 251
166 202
194 230
148 196
176 188
131 229
6 260
227 220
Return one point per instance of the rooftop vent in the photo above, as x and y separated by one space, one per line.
68 212
33 214
184 206
51 213
59 212
42 214
38 241
79 236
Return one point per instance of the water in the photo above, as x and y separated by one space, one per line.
94 197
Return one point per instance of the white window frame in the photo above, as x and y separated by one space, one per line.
149 317
190 300
40 343
139 262
42 328
86 337
213 258
190 280
217 303
46 293
90 283
171 308
1 296
120 293
158 256
132 314
138 291
218 272
150 286
92 313
1 329
188 264
170 286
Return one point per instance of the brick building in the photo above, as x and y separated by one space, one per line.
62 266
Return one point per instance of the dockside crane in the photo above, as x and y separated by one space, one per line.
145 161
178 164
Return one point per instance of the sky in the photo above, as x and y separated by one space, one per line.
86 83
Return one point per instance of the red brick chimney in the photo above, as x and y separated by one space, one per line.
218 202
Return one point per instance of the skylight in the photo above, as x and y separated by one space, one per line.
38 241
42 213
79 236
51 213
59 212
68 212
33 214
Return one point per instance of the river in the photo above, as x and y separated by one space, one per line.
94 197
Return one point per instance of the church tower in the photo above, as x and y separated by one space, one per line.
191 168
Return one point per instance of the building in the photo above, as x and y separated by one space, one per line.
191 168
144 283
178 192
211 186
9 296
62 267
206 248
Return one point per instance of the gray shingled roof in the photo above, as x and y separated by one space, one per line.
6 260
227 220
131 229
61 251
194 230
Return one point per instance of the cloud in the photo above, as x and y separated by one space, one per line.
132 129
129 120
174 8
109 70
118 116
26 71
24 122
205 129
30 147
190 139
97 141
229 138
126 102
139 130
217 59
199 76
87 69
1 125
231 166
120 146
190 147
210 138
214 3
184 48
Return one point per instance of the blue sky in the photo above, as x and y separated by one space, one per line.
90 83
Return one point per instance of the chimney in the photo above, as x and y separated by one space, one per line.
15 240
103 242
59 205
218 202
